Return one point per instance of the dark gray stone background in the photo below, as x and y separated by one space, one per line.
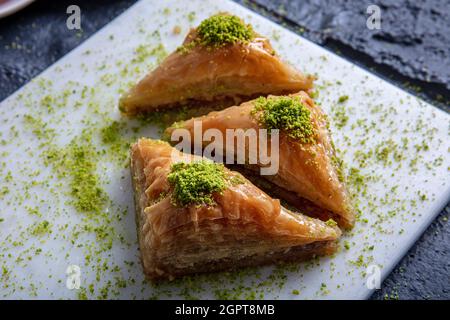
412 50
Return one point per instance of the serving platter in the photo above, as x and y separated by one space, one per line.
67 226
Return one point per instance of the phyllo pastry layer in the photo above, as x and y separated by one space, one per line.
196 216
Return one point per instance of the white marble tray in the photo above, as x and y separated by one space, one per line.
398 198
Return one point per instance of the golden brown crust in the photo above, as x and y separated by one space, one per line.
246 227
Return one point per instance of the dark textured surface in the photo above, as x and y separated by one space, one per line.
412 49
413 41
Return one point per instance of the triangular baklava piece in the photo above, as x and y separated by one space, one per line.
309 176
221 62
195 216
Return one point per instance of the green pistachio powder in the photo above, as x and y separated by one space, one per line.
220 30
77 178
195 183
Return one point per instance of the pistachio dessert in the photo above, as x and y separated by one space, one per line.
309 175
196 216
221 62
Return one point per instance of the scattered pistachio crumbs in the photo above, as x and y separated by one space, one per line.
75 182
287 114
194 183
340 116
41 228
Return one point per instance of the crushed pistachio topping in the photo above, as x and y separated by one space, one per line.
287 114
77 162
222 29
42 228
194 183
